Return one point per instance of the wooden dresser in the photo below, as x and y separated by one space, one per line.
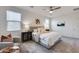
25 36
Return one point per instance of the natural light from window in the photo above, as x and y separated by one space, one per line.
13 21
46 24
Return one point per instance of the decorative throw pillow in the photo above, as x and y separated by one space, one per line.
7 38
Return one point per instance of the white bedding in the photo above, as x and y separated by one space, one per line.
48 39
36 36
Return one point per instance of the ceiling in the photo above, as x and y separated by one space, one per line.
42 10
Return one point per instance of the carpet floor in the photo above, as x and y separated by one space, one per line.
67 45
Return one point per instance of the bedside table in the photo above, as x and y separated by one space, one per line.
25 36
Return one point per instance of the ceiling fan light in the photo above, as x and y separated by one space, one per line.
50 12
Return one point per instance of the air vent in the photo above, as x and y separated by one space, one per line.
75 9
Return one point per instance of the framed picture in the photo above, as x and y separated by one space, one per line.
61 23
37 21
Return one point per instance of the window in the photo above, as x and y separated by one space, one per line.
13 21
46 24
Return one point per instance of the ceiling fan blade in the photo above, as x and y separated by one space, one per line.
75 9
56 8
31 6
52 8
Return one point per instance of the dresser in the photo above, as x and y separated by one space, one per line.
26 36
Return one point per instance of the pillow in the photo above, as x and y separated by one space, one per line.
7 38
35 30
40 30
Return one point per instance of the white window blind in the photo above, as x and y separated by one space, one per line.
13 21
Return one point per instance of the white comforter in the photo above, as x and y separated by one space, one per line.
48 39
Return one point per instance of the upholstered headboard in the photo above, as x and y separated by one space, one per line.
36 27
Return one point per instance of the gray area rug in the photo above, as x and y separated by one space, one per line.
33 47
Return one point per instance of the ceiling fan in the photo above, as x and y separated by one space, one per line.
76 9
52 8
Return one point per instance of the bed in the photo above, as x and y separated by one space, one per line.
47 39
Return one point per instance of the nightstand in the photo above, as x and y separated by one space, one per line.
25 36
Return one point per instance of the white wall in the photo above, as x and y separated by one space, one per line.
27 16
3 21
71 28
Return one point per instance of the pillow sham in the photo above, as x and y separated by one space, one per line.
7 38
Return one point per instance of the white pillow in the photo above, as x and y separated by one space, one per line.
35 30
